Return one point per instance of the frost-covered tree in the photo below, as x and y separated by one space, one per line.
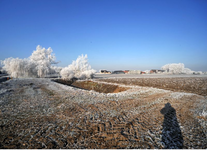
55 70
174 68
43 59
78 69
1 63
20 67
1 67
178 68
37 65
67 73
187 71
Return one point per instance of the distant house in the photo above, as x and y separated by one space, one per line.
153 71
142 72
156 71
118 72
105 71
134 72
126 71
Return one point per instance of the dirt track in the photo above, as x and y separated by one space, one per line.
38 113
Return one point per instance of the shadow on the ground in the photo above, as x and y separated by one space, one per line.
171 133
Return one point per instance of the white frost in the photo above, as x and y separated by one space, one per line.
177 68
37 65
204 113
79 69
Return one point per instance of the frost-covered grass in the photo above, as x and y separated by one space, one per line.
197 85
179 95
204 113
48 106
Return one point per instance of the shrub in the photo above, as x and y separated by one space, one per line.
78 69
37 65
177 68
19 67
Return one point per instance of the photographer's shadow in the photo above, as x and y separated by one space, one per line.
171 133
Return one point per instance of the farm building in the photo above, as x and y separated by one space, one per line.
105 71
126 71
134 72
156 71
118 72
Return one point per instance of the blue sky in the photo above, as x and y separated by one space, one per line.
116 34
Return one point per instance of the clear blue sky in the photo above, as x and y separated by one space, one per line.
116 34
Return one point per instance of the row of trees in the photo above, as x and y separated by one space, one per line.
39 64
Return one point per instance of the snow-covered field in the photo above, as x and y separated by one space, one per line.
40 113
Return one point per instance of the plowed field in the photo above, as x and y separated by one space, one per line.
39 113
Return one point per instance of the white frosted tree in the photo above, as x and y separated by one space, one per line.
187 71
1 65
67 73
178 68
78 69
55 69
43 59
37 65
174 68
19 67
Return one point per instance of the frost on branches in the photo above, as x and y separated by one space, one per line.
78 69
37 65
55 70
19 67
177 69
43 59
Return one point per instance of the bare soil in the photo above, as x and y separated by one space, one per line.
39 113
187 84
95 86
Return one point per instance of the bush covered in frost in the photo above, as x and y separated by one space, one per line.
1 68
78 69
177 68
1 65
20 67
43 59
55 70
37 65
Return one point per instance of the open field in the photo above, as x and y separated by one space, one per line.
148 112
98 75
197 85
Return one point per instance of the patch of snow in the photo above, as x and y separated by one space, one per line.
178 95
3 91
204 113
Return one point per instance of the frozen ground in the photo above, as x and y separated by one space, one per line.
98 75
40 113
